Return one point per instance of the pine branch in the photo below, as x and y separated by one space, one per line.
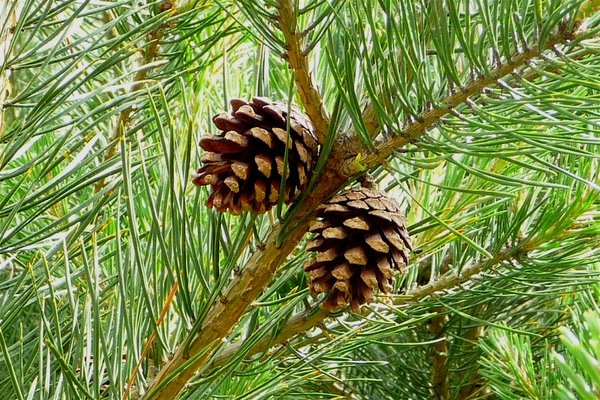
57 166
304 321
242 291
454 280
9 14
296 325
432 117
298 61
224 315
261 267
472 337
439 355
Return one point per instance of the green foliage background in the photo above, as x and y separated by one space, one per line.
103 104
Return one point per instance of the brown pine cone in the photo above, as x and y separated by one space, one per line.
244 164
360 238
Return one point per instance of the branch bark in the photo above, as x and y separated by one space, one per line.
439 355
9 15
297 324
311 99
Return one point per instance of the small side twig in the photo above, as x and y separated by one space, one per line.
454 279
150 341
297 324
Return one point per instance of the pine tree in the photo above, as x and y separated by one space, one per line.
478 118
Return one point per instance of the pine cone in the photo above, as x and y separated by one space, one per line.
360 237
245 162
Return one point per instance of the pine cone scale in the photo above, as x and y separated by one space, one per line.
314 244
276 113
263 162
225 123
220 145
357 223
342 271
241 170
232 183
337 232
263 136
376 242
356 255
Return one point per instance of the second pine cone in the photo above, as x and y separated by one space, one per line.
360 238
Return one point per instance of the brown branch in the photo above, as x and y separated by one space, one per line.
313 104
432 117
297 324
455 279
472 337
439 356
9 14
151 339
241 292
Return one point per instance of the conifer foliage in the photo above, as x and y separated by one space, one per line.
477 121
